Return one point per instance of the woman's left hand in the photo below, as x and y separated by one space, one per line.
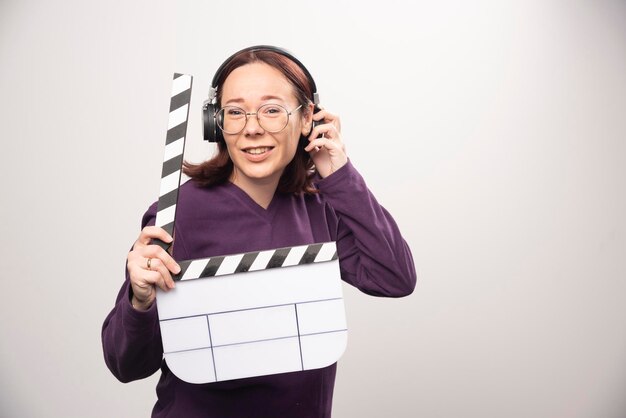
328 152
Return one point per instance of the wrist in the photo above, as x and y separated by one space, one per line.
139 305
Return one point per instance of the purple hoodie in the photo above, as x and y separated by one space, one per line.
225 220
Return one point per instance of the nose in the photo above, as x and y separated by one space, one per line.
253 127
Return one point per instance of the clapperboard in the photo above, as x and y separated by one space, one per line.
244 315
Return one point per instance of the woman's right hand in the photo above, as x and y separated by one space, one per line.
149 266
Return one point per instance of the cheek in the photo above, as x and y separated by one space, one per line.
292 143
230 147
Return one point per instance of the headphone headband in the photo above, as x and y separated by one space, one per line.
281 51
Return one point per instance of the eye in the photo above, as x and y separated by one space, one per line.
234 112
271 111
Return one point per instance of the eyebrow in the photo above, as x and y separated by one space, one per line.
266 97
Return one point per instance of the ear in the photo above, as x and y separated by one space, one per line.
307 119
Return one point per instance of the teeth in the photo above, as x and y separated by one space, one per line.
257 151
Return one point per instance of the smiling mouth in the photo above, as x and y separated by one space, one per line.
257 150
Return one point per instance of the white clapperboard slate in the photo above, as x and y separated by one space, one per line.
244 315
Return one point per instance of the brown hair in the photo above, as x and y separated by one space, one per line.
298 174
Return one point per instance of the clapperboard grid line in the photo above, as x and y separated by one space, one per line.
208 325
213 347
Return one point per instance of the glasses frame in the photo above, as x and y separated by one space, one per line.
289 112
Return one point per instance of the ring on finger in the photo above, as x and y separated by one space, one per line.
148 263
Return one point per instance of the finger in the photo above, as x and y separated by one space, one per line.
153 232
320 115
156 279
329 131
148 278
327 117
157 265
323 143
324 115
144 282
157 253
138 258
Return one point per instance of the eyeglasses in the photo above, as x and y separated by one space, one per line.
271 117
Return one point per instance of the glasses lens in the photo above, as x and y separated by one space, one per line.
272 117
231 119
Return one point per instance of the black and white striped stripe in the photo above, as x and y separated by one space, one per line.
174 149
258 260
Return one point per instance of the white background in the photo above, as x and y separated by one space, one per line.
493 131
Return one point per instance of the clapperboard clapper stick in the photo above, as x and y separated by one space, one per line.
173 155
243 315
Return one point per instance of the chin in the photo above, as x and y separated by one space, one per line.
259 173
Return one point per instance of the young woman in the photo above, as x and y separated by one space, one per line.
276 181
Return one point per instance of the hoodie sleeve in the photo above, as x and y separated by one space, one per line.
373 256
131 339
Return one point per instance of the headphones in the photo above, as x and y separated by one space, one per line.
211 130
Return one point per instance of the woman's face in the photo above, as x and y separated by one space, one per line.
259 157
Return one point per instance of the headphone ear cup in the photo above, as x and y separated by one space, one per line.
316 122
211 130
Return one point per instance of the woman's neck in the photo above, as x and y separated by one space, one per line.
260 190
